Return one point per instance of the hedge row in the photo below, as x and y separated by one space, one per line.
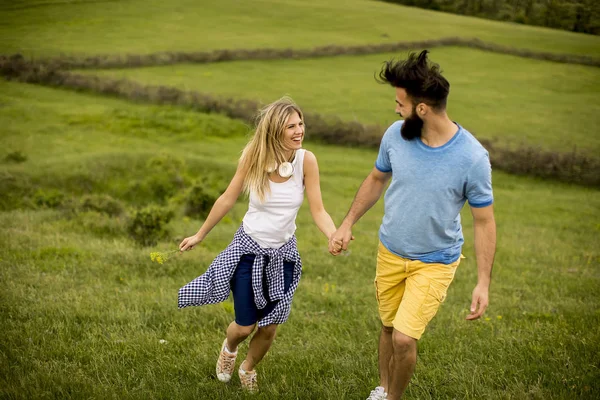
572 167
167 58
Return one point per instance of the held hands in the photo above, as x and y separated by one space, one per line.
480 298
188 243
339 240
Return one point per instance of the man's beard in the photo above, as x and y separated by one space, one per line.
412 126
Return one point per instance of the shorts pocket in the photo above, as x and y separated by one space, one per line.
436 295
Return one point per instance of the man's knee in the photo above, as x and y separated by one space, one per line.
387 329
403 343
269 332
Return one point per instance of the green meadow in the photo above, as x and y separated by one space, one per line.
84 309
84 313
487 92
44 27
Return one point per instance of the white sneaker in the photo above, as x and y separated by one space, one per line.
377 394
225 364
248 379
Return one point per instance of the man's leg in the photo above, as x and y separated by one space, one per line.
389 287
425 289
402 364
386 350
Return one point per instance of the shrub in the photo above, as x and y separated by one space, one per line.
199 200
97 223
165 176
102 204
147 225
15 191
50 198
15 157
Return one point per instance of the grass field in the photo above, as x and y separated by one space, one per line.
85 314
83 310
487 95
38 27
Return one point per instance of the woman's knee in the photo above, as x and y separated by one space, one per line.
269 331
244 331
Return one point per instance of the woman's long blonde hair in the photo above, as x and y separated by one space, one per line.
265 149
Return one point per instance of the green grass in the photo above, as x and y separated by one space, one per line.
83 310
145 26
515 100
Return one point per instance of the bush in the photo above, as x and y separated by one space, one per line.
165 177
15 191
199 200
102 204
147 225
15 157
50 198
97 223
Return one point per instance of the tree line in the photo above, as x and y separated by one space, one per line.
571 15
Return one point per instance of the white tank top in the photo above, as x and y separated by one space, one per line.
272 223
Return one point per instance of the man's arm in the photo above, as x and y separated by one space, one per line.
369 192
485 248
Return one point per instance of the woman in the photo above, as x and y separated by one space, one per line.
261 266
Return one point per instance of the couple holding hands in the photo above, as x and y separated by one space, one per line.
434 166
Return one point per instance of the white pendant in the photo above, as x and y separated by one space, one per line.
286 170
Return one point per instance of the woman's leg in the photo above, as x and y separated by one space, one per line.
243 303
236 334
263 338
259 345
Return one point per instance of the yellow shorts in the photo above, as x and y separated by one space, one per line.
409 292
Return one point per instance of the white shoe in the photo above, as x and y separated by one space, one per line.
248 379
377 394
225 364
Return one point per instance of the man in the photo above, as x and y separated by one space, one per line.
435 166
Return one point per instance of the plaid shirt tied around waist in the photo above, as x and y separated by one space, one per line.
214 285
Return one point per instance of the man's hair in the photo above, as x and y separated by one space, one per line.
422 79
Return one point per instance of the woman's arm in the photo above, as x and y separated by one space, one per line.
222 205
313 193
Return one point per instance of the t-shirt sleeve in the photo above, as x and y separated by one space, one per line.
479 183
383 159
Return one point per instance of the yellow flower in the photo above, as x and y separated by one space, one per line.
499 317
160 258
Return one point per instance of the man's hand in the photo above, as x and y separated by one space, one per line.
335 247
479 303
340 239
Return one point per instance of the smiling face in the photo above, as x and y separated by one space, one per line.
293 134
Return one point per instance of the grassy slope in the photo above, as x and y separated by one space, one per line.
516 100
144 26
83 309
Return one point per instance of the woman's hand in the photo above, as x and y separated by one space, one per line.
188 243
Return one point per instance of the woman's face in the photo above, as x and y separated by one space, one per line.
294 132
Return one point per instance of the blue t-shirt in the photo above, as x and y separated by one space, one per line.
429 187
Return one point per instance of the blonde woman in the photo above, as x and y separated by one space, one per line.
261 266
